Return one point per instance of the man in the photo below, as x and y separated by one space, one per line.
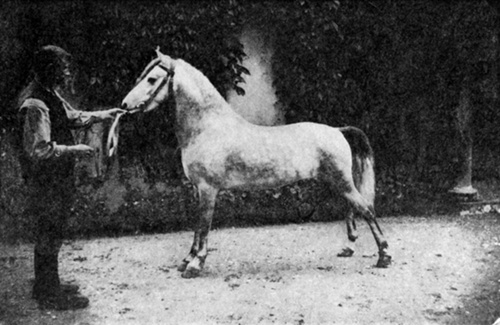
48 160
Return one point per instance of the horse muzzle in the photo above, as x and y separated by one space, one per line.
132 110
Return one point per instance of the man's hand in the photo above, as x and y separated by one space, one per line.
82 150
110 113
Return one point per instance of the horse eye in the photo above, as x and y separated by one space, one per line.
151 80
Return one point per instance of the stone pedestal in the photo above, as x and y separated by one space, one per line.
465 193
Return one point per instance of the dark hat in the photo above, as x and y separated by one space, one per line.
48 63
56 50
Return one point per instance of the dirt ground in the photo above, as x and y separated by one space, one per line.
446 271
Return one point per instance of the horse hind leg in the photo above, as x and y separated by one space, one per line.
352 232
192 265
368 213
352 235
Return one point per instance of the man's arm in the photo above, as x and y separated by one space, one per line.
36 135
85 118
81 119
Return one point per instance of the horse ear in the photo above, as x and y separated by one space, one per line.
158 52
163 57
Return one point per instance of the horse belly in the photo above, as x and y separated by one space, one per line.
245 171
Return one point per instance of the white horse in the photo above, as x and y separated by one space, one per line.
221 150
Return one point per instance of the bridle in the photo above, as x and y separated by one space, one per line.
112 141
167 79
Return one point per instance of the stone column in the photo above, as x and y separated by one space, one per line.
463 185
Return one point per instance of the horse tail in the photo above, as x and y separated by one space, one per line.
363 162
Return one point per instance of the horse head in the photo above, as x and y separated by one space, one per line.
152 86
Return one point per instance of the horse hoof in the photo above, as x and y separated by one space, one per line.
384 261
346 252
190 273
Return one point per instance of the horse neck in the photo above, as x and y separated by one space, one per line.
199 106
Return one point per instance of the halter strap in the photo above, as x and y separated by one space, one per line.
168 78
170 72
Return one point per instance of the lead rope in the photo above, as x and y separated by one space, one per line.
112 142
79 134
67 106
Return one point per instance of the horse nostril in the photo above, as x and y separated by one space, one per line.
124 105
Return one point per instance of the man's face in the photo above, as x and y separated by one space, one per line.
66 78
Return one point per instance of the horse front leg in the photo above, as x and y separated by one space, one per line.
193 264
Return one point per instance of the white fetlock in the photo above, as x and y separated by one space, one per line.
193 269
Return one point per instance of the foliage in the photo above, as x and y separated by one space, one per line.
113 41
393 68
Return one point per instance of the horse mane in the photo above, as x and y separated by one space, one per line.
199 82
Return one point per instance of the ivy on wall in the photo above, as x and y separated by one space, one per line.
392 68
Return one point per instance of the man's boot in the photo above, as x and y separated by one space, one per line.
38 289
47 289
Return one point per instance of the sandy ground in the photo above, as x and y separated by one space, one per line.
445 271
